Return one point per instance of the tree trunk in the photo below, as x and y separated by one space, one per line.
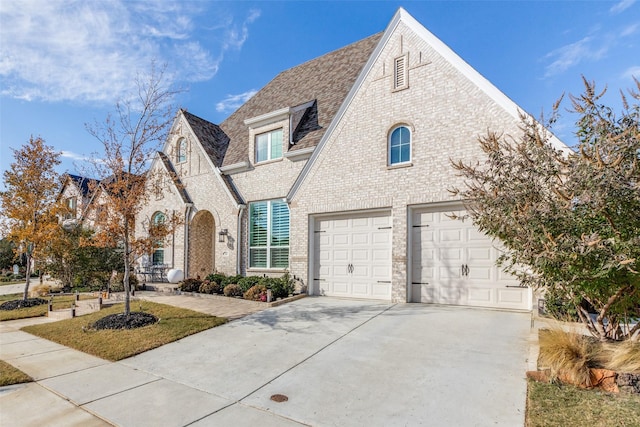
125 278
27 275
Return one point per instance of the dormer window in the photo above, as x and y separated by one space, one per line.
181 151
268 145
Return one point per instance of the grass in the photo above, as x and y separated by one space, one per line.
59 302
550 405
175 323
10 375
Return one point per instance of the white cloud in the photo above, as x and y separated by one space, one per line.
632 72
58 50
233 102
75 156
629 30
565 57
621 6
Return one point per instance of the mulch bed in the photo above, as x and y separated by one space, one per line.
20 303
136 319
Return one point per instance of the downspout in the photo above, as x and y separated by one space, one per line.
187 214
173 241
239 243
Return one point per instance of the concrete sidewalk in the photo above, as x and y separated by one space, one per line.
339 362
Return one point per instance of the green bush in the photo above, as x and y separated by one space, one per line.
248 282
210 287
217 277
232 290
281 287
559 306
256 293
190 285
232 279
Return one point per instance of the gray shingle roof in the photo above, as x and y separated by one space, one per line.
174 176
326 79
84 184
213 139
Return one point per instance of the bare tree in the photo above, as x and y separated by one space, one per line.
130 138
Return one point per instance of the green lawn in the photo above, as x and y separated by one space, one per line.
10 375
175 323
59 302
551 405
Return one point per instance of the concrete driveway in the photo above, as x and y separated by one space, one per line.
339 362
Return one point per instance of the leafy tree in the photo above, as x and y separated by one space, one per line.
30 203
75 260
7 253
569 220
130 140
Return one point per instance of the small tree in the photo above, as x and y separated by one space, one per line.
7 254
130 140
30 202
570 221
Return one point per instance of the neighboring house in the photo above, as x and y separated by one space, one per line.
77 193
338 171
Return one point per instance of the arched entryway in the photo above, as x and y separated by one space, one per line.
201 245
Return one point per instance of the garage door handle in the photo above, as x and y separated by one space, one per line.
384 281
465 270
350 268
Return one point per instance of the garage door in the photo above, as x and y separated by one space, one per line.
454 263
352 256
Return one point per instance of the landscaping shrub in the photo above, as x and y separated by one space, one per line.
559 306
568 353
256 293
217 277
232 279
281 287
190 285
248 282
622 356
232 290
210 287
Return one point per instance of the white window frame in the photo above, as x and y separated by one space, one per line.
389 147
268 247
158 250
269 142
181 151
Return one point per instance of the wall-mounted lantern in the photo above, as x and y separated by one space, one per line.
221 235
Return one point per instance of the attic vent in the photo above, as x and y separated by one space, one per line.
400 75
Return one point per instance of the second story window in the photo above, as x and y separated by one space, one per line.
72 205
269 145
181 151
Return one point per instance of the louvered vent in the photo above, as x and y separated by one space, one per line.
400 73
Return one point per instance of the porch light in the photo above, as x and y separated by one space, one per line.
221 235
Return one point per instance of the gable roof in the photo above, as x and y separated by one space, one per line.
84 184
213 140
326 79
443 50
174 177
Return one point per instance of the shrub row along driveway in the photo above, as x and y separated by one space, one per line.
339 362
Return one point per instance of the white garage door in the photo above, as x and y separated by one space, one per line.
352 256
454 263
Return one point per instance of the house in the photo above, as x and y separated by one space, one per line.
77 193
338 171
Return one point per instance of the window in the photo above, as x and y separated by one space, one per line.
400 74
72 204
400 145
157 257
181 151
269 234
269 146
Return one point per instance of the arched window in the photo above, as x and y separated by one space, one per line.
181 151
158 219
399 145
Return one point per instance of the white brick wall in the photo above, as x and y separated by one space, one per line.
446 113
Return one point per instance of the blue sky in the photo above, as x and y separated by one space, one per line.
66 63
